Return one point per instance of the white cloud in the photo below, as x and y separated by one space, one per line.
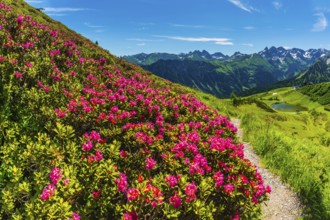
141 44
249 28
248 45
219 41
321 23
277 5
224 43
56 10
240 5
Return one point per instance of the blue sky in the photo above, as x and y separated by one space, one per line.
126 27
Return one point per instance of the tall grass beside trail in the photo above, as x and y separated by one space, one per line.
303 165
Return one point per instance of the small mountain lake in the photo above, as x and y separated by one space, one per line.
287 107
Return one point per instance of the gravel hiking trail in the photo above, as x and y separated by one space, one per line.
283 203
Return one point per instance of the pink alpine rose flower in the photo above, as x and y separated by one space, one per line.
20 19
96 194
55 175
171 180
75 216
228 188
66 181
130 216
121 183
150 163
175 201
98 155
87 146
48 191
190 191
132 194
218 177
18 75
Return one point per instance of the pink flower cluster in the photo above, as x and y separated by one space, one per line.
190 191
60 114
48 192
219 179
130 216
121 182
45 88
171 180
93 138
176 200
150 163
55 175
20 19
96 193
75 216
132 194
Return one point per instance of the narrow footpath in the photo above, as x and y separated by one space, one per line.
283 203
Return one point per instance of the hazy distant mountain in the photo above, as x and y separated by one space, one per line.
147 59
278 55
290 62
316 73
218 78
220 74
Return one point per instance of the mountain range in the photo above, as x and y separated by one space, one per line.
240 73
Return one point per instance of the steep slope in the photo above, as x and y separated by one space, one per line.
317 73
318 93
87 135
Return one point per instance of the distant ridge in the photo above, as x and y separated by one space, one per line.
240 73
314 74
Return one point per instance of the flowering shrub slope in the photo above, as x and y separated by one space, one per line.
85 135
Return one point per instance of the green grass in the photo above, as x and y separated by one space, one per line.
319 93
294 145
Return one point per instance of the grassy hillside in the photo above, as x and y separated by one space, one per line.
85 135
318 93
294 145
317 73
